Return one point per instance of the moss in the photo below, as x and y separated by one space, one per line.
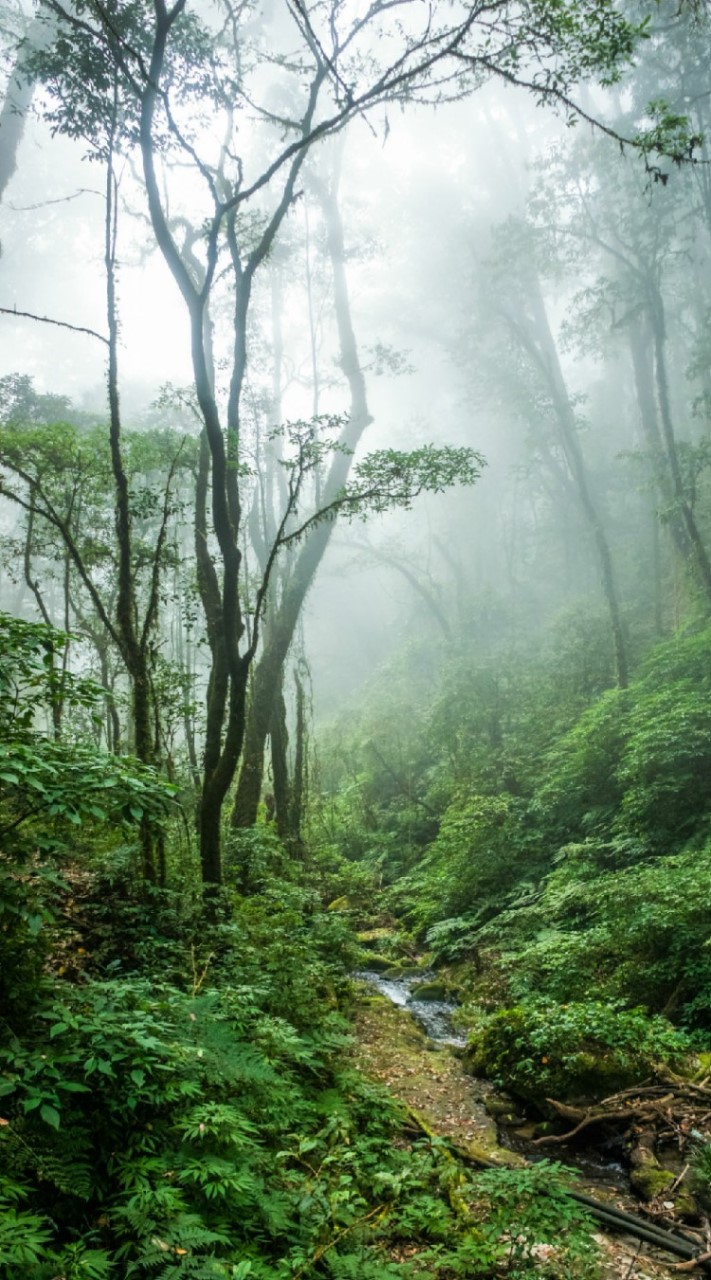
373 937
375 963
649 1180
492 1153
702 1066
340 904
430 991
685 1205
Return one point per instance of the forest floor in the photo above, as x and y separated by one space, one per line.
429 1079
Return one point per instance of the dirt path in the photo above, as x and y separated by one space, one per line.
431 1082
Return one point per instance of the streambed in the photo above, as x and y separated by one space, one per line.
434 1016
597 1168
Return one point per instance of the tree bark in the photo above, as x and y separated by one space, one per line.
279 741
644 387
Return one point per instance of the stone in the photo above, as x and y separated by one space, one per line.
430 991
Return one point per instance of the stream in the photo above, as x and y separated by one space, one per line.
595 1166
434 1016
427 1075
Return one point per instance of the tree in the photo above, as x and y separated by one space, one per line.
528 322
123 77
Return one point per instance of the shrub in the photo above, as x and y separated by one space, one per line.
584 1049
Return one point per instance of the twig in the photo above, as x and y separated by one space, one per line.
633 1260
698 1261
677 1181
199 978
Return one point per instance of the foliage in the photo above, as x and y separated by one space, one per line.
530 1224
545 1049
51 788
701 1171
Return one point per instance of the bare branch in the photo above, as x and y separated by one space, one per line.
60 324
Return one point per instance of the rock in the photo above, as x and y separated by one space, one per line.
647 1176
685 1205
499 1108
650 1180
430 991
373 937
376 963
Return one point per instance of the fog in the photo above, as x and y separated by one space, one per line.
512 280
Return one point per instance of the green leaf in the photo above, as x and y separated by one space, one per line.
50 1115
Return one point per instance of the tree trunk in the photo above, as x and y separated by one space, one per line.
537 338
279 739
699 554
298 791
284 616
644 387
18 98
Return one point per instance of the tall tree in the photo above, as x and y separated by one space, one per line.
169 77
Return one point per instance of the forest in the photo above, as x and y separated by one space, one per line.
355 639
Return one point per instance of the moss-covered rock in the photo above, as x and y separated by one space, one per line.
650 1180
374 937
375 963
430 991
582 1051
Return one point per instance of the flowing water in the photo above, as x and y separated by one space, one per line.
434 1016
596 1166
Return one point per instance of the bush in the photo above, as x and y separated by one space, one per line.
585 1049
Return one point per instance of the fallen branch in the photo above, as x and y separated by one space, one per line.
698 1261
594 1115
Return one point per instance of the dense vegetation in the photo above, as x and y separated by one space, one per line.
175 1096
514 787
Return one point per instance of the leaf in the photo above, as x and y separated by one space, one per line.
50 1115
